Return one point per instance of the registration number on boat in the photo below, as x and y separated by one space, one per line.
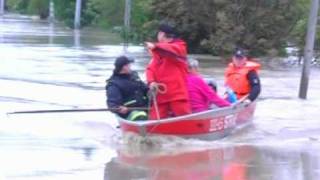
221 123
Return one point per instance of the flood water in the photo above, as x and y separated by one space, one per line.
48 66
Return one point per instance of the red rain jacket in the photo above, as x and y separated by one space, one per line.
169 66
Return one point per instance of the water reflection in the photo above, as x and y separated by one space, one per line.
51 34
227 163
244 162
310 166
76 36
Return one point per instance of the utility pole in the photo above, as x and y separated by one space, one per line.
77 16
308 49
51 11
127 17
2 5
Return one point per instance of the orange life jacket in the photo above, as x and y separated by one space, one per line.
236 78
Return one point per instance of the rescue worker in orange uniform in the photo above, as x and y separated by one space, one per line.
168 69
241 75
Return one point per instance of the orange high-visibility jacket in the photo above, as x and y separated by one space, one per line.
236 78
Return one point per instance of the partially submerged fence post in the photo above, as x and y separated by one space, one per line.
308 49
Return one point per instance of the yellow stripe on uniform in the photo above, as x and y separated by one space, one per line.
135 114
130 102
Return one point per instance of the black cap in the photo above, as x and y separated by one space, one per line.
239 53
169 30
120 62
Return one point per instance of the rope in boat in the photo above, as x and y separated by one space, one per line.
160 88
155 104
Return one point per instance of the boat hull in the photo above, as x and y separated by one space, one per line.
211 124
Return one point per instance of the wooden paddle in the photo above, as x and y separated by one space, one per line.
73 110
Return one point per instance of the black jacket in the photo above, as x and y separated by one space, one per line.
126 90
255 85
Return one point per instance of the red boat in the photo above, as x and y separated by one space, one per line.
207 125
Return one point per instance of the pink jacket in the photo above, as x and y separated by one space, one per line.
202 95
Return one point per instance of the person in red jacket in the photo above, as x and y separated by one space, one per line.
168 70
241 75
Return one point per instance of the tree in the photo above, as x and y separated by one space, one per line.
298 35
219 26
39 7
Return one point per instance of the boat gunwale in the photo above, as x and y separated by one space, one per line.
223 111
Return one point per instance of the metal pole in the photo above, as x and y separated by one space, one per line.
308 49
51 11
77 16
2 4
127 17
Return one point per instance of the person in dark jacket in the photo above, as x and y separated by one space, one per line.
125 89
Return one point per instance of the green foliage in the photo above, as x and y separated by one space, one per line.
19 6
219 26
110 12
64 11
40 7
140 21
298 35
104 13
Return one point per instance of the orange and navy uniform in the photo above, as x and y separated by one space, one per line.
244 80
169 67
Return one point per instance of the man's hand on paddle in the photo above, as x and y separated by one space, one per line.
123 110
